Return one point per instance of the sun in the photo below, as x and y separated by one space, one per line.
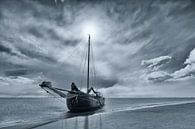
90 28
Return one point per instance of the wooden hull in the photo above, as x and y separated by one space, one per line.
84 102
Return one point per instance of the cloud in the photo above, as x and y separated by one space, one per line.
158 76
7 50
189 69
153 70
191 58
180 88
157 62
20 86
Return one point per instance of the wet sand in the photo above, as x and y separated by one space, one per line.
181 116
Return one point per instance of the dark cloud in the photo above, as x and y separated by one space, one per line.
102 82
1 16
17 72
73 42
53 35
36 32
66 42
37 55
7 50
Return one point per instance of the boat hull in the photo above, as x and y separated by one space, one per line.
84 102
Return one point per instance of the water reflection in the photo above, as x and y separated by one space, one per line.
82 122
76 123
86 123
100 121
87 120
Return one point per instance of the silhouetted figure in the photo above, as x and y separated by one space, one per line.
91 89
74 87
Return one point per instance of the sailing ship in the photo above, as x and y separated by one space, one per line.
77 100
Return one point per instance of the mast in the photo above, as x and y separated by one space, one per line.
88 63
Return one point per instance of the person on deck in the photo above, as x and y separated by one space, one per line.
92 89
74 87
95 92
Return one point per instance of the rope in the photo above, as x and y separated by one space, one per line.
83 72
73 52
94 71
80 69
54 95
83 64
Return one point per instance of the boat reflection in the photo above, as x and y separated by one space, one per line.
84 122
76 123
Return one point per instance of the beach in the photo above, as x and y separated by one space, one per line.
169 115
181 116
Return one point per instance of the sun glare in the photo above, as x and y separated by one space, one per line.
90 28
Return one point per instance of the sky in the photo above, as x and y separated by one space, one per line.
140 48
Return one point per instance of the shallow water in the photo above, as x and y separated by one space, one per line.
37 111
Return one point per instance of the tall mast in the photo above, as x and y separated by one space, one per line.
88 63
